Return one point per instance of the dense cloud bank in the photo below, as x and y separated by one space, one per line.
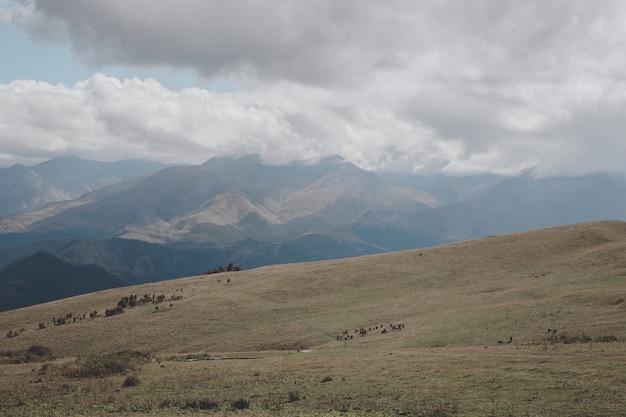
413 86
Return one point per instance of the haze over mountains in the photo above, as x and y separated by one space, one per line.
145 222
223 201
25 189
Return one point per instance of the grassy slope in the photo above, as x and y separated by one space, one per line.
455 301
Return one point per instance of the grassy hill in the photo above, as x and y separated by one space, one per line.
450 306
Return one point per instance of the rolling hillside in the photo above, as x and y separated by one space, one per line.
305 339
469 293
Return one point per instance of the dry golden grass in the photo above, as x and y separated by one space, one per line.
455 301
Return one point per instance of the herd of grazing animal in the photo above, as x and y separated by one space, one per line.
362 331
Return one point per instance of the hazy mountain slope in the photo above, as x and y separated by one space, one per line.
446 189
511 205
24 189
405 230
133 261
139 262
226 201
525 202
223 201
253 253
42 277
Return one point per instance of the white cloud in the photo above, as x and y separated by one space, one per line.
435 85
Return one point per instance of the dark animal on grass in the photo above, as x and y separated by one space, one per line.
500 342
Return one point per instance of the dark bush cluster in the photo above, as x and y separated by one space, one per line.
113 311
229 268
203 404
135 301
68 318
15 333
240 404
125 302
61 320
566 338
293 396
131 381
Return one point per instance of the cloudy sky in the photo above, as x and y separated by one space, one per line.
429 86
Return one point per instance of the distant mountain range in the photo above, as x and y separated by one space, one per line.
24 189
146 222
221 202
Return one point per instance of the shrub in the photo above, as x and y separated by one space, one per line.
229 268
241 404
608 338
131 381
113 311
203 404
40 351
293 396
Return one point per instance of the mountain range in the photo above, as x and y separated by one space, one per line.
26 189
146 222
221 202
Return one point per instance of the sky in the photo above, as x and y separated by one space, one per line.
433 86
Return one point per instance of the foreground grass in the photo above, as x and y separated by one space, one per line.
535 380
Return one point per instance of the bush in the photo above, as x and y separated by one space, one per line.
131 381
113 311
293 396
203 404
41 351
608 338
230 268
241 404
